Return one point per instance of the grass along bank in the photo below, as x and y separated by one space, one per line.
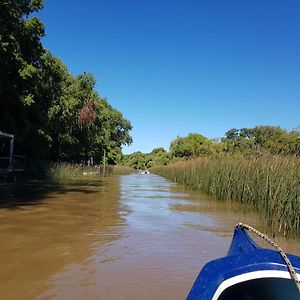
270 185
65 170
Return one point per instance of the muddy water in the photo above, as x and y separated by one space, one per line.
122 237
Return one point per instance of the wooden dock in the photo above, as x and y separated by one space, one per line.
10 164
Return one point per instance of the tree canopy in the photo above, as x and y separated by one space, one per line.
141 161
267 139
193 145
53 114
250 142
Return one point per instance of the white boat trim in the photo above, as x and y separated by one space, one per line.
250 276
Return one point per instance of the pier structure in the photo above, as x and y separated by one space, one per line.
10 163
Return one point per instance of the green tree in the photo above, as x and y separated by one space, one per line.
193 145
85 124
159 156
276 140
137 160
262 139
20 52
52 113
232 134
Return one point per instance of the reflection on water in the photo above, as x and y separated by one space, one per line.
54 231
127 237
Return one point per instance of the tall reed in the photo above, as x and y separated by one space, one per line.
270 185
63 170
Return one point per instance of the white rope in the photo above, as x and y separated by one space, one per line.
276 247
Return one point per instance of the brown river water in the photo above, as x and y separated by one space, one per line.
119 237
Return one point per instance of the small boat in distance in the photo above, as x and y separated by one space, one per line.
249 272
145 172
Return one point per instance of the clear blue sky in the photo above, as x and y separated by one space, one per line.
173 67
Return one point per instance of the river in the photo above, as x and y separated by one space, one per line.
118 237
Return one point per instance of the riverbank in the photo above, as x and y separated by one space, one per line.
270 185
65 170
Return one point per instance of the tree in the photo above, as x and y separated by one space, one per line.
53 114
260 139
20 51
193 145
232 134
158 150
137 160
276 140
85 124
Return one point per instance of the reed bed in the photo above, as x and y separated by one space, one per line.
63 170
269 184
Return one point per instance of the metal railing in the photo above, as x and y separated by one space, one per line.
17 164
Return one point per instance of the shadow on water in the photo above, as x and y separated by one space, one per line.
54 234
32 192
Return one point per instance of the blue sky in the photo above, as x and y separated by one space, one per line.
176 67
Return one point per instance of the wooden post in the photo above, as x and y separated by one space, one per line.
104 160
11 148
11 153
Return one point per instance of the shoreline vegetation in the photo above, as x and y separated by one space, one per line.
258 167
58 116
53 114
269 184
64 170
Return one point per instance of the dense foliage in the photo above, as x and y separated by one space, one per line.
191 146
270 139
250 142
141 161
53 114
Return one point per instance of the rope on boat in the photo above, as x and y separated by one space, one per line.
276 247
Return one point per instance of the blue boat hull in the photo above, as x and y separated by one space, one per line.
247 272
